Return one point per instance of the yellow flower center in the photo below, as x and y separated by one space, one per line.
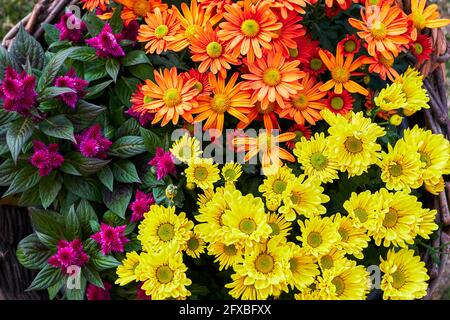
200 173
279 186
275 229
190 32
147 99
398 279
214 49
272 77
193 244
343 233
349 46
141 7
220 103
199 86
229 174
164 274
247 226
264 263
172 97
418 48
339 285
361 214
395 170
326 262
378 30
314 239
301 102
353 145
319 161
418 20
296 198
385 61
390 219
293 264
340 74
250 28
230 250
166 231
161 31
293 52
315 64
425 159
337 103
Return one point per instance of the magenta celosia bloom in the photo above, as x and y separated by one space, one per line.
164 163
70 80
92 144
140 294
97 293
46 158
71 28
106 44
144 118
131 31
140 205
69 253
18 91
111 239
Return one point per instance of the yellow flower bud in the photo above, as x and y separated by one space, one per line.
395 120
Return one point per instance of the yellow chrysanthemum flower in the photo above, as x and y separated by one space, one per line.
231 172
435 186
162 228
412 87
391 98
279 225
303 268
226 255
331 259
401 167
346 281
312 155
308 294
353 240
195 246
273 202
203 172
204 198
353 142
240 290
245 221
186 148
405 276
318 235
164 274
364 208
426 223
303 197
275 184
126 271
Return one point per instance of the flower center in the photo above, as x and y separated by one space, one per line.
296 198
275 229
395 170
161 31
337 103
343 233
349 46
279 186
319 161
418 48
398 279
425 158
268 110
378 30
385 61
326 262
230 250
293 52
339 285
264 263
214 49
193 244
200 173
353 145
198 86
147 99
247 226
166 231
361 214
141 7
250 28
230 174
316 64
172 97
164 274
418 20
293 264
220 103
300 102
390 219
314 239
272 77
190 32
298 135
340 74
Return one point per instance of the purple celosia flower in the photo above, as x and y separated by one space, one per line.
140 294
70 80
70 253
131 31
106 43
144 118
46 158
71 28
140 205
164 163
18 91
97 293
111 239
92 143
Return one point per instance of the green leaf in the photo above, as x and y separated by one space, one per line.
151 140
125 88
142 71
48 222
77 294
84 114
27 48
69 169
51 69
106 177
92 91
134 58
52 92
86 213
95 72
112 68
47 277
49 188
127 146
54 289
51 33
116 21
72 223
113 219
101 262
31 253
6 60
29 198
85 188
18 133
25 179
7 172
128 128
125 171
92 276
93 24
86 166
59 127
84 54
95 226
118 200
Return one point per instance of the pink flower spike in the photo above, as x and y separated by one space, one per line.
164 163
92 144
46 158
106 44
140 205
97 293
111 239
18 91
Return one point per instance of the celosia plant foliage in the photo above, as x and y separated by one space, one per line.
225 149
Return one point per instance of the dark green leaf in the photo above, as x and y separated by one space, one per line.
77 293
26 48
69 169
25 179
118 200
84 188
86 166
51 33
51 69
48 222
7 172
129 128
84 54
95 226
151 140
127 146
49 188
92 276
72 223
54 289
84 114
52 92
101 262
94 72
106 177
86 213
142 71
29 198
93 23
125 88
92 91
112 68
47 277
116 21
6 60
134 58
125 171
19 133
31 253
59 127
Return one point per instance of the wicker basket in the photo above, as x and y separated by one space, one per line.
15 223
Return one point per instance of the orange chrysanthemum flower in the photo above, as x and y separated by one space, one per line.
133 9
268 116
267 145
216 6
172 97
427 17
290 6
201 84
304 49
382 66
226 98
211 52
287 35
300 132
342 69
159 30
306 104
384 28
350 45
91 5
193 19
273 79
248 29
